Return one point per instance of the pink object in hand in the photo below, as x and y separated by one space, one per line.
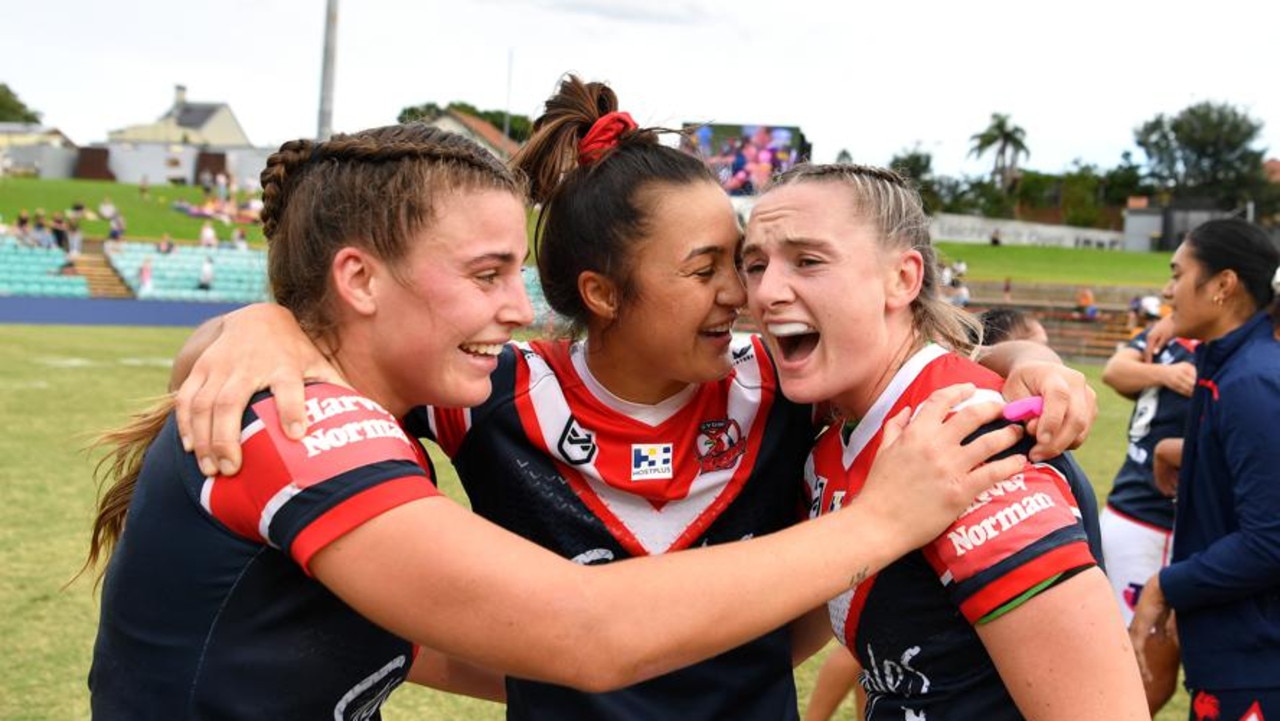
1023 409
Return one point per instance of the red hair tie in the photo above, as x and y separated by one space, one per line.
603 135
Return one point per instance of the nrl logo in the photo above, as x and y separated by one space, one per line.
577 444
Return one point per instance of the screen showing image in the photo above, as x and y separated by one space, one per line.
745 157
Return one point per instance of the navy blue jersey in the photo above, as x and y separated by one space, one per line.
911 625
208 609
1158 413
552 457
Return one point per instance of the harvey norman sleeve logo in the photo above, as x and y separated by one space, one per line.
651 461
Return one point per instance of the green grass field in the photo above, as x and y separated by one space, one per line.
60 385
146 218
1065 266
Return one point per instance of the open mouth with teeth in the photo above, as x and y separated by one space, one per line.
795 340
484 350
718 331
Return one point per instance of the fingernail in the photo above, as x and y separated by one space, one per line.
295 430
208 467
186 444
226 467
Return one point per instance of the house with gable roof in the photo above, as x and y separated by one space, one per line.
477 129
188 123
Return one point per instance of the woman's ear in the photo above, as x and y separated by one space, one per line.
599 294
356 275
904 280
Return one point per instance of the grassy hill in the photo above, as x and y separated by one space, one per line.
146 218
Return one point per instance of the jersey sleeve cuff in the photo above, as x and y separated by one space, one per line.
1018 581
353 512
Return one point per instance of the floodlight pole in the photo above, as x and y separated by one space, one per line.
325 126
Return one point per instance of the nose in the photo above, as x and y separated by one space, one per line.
732 293
770 287
1167 291
518 309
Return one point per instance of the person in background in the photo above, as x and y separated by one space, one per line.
1007 615
579 446
332 569
1137 521
205 281
1223 581
1002 324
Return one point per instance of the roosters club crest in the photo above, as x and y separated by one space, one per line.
719 444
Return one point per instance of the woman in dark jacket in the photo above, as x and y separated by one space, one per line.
1224 581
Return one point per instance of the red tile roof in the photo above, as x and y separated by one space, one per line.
486 132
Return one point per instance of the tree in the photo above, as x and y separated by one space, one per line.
519 126
917 165
1205 151
1008 141
13 110
844 156
1124 181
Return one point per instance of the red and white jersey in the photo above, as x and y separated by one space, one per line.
911 624
554 457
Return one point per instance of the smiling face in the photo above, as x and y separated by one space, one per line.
676 330
1190 292
437 329
833 305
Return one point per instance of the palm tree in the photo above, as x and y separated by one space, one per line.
1009 141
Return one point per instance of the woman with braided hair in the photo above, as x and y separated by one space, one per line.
656 432
314 582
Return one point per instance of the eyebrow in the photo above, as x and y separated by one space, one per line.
492 258
792 244
705 250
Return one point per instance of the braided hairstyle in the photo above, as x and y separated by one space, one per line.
592 215
892 206
375 189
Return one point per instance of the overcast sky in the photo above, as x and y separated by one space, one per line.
871 77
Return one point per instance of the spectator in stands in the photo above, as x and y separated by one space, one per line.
165 246
958 294
58 227
144 188
1007 291
106 209
1223 581
116 227
144 277
41 235
208 236
75 231
22 227
206 274
1086 306
995 237
239 239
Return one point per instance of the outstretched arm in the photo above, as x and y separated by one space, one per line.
471 590
225 362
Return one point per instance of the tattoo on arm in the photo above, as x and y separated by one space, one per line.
858 577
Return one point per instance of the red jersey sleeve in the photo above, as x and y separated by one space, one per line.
354 463
1022 532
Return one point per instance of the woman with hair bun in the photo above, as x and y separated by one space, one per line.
1223 583
657 430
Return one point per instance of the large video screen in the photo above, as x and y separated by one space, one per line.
745 157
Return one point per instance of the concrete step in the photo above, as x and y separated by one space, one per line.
103 280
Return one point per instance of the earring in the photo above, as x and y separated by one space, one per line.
1217 300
